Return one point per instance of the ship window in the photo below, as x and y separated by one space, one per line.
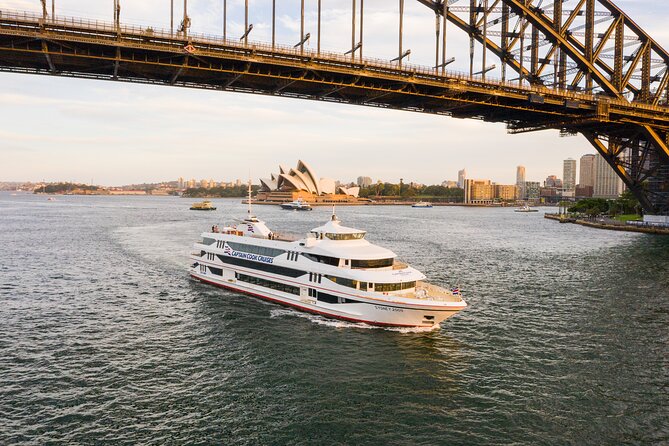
343 281
354 236
329 298
274 269
217 271
363 286
208 241
387 287
268 284
368 264
334 261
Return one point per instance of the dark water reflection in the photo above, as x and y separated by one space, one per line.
104 339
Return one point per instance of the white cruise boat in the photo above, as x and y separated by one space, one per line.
333 271
297 205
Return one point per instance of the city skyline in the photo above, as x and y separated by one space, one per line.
125 134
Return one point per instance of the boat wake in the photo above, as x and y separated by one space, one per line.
334 323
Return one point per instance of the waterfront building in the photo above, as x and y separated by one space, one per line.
550 194
462 174
506 192
181 183
532 190
583 191
364 181
553 181
449 184
301 182
479 191
607 184
587 171
569 175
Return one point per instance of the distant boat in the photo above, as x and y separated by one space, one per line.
203 206
297 205
525 208
422 204
51 199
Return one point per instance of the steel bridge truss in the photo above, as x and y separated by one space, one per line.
577 45
578 66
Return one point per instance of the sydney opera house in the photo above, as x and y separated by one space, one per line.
302 182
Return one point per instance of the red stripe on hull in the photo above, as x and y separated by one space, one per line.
306 309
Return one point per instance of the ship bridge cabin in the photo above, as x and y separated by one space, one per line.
344 247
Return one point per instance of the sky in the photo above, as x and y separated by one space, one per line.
115 133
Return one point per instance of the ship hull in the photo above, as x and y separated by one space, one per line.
383 315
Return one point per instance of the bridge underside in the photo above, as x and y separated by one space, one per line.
631 137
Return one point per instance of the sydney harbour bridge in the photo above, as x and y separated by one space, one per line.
577 66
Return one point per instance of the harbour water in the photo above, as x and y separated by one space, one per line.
105 339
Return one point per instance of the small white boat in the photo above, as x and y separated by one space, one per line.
525 208
422 204
297 205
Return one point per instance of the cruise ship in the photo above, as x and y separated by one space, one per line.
333 271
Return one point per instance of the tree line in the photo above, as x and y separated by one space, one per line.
440 193
626 204
223 192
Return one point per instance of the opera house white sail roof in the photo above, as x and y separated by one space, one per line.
303 178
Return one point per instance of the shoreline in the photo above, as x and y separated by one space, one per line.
610 227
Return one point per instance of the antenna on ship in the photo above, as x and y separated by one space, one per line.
249 199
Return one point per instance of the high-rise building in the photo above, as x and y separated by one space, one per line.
181 182
462 174
520 175
364 181
569 174
607 183
587 172
520 181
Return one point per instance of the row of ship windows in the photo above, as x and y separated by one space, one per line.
268 284
292 255
330 298
313 277
379 287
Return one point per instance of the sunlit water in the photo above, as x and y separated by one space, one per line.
105 339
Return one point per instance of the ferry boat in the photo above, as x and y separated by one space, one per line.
203 206
422 204
297 205
333 272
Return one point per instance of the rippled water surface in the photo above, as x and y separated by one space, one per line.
104 339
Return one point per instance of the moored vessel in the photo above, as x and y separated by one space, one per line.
333 271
